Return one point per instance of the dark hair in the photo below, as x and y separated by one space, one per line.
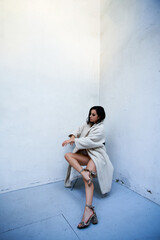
100 112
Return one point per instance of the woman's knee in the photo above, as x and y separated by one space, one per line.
67 155
91 165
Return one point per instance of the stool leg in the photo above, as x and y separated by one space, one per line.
74 184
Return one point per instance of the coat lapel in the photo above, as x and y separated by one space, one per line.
94 125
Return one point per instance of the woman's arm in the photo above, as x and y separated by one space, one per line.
77 132
94 139
73 135
69 141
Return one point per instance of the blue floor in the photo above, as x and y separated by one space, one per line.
53 212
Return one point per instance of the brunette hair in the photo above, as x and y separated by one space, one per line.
100 112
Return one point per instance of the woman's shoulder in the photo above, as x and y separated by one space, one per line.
95 127
86 125
99 127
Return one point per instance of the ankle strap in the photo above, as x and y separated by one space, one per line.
90 206
82 170
91 172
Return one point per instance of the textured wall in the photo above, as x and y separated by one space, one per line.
49 78
130 91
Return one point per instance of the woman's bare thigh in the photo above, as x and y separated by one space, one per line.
91 166
82 159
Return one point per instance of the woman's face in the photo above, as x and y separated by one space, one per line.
93 116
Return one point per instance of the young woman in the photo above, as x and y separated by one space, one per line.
89 151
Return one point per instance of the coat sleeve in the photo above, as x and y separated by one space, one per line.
77 132
94 139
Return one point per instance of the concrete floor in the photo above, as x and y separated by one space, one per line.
52 212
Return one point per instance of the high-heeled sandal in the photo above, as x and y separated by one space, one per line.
92 219
91 175
89 181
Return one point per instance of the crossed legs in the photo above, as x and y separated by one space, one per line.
77 160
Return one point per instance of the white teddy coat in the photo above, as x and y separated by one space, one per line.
92 140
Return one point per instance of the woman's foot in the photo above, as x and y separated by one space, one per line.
86 175
88 215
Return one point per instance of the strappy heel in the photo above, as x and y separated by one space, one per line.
89 181
91 175
92 219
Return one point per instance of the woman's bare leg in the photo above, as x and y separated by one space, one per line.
90 189
77 160
89 193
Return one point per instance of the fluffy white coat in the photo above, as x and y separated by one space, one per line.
92 140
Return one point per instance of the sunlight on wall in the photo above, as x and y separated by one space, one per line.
49 80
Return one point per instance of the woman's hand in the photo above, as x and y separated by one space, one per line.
69 141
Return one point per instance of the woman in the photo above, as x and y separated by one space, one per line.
90 151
